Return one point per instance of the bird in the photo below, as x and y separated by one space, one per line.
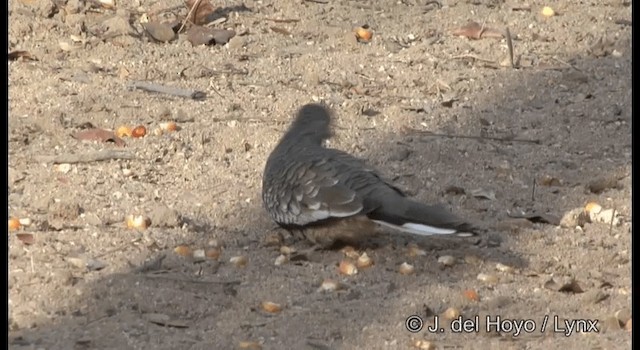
331 196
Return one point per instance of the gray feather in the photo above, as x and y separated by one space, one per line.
305 183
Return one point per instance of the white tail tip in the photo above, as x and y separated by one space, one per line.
420 229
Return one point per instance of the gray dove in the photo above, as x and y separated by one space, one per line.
329 196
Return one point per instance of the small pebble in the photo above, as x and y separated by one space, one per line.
199 255
488 278
447 260
504 268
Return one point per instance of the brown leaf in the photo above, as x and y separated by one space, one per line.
26 238
473 30
14 55
98 134
202 14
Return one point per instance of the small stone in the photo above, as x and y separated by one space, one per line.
488 278
249 345
627 326
609 324
160 31
608 216
347 268
199 255
498 302
406 269
163 216
280 260
424 345
594 296
574 218
623 316
447 260
329 285
239 261
504 268
95 265
117 26
472 260
451 313
364 261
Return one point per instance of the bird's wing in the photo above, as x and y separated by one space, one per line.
313 192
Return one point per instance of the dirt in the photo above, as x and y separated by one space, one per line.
446 117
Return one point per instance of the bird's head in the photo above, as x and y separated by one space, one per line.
312 123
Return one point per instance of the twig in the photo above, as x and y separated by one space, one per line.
431 2
624 22
510 47
533 191
567 63
187 280
474 57
501 139
107 154
150 87
186 19
613 215
279 20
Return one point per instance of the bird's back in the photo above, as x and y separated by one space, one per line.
307 184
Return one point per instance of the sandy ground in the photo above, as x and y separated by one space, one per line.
80 279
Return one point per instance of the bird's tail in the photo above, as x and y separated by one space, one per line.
416 218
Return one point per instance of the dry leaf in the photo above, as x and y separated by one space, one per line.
200 15
25 55
97 134
26 238
473 30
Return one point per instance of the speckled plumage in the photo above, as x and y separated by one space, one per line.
316 189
